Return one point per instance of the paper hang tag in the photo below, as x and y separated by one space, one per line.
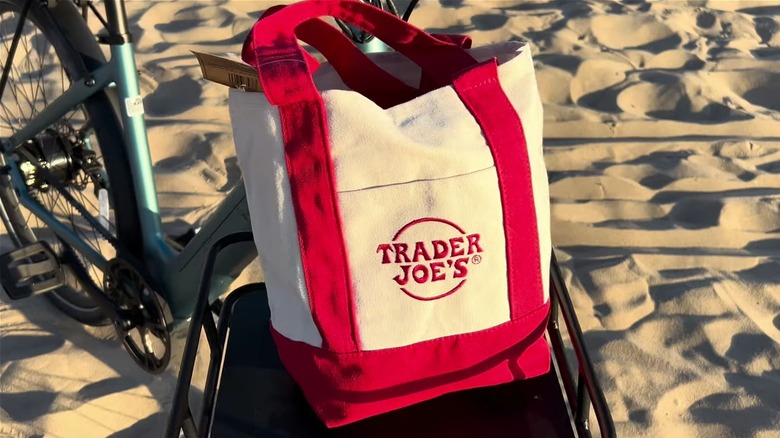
228 70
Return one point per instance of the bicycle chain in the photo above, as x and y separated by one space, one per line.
81 272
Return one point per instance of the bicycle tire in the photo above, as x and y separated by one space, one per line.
77 51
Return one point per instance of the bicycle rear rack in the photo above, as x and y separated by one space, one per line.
581 394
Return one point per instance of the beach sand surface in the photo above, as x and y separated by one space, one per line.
662 141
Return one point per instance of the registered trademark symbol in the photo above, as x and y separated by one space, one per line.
477 259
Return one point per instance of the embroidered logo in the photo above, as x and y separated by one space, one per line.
431 269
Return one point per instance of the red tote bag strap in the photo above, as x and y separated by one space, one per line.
480 91
281 60
352 65
357 71
334 41
464 41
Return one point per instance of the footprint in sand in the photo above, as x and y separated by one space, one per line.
643 32
568 63
697 213
451 3
170 22
489 21
751 214
766 28
757 300
592 84
671 96
619 290
173 97
209 152
773 167
675 60
553 84
741 149
28 406
756 87
706 20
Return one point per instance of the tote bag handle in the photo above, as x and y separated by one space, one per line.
357 71
282 62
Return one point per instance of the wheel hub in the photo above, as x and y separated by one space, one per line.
65 156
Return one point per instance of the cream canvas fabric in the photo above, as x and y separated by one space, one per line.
418 169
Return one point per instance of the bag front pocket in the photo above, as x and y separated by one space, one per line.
427 259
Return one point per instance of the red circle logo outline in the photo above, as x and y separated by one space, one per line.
423 220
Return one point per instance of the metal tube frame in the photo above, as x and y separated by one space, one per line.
181 415
587 391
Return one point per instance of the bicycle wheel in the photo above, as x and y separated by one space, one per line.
55 47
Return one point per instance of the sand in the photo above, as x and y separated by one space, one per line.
662 140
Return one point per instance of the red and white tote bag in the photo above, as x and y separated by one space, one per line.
400 206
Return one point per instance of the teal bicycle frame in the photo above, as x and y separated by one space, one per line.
176 274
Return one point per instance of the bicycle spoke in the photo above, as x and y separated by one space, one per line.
30 96
94 208
14 91
7 115
97 274
15 95
26 97
53 204
28 61
42 84
47 202
27 221
70 117
95 241
91 204
64 209
42 54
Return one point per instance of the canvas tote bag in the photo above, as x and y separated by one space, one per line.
399 202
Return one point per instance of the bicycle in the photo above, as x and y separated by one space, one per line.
79 165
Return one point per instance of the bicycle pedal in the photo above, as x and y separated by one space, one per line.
30 270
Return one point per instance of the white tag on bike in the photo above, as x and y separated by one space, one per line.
134 106
103 208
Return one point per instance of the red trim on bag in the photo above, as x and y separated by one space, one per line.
427 219
480 90
444 295
323 252
343 388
